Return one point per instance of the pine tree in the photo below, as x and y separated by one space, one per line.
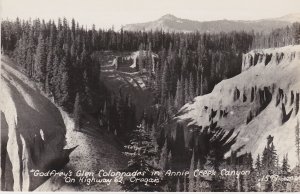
105 115
277 166
64 85
191 88
29 62
170 106
178 97
163 160
84 56
21 52
186 91
165 83
154 149
77 111
284 171
140 152
49 72
249 181
198 84
140 58
191 174
157 85
87 98
56 77
30 54
296 27
201 68
269 156
285 168
258 164
40 60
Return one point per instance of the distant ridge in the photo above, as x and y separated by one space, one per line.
171 23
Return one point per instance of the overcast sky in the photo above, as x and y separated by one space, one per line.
105 13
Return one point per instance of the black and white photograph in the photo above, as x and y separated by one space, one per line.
150 96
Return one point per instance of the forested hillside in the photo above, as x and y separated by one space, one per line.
65 60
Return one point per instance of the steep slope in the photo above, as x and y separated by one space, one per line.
36 135
94 151
32 132
170 23
263 100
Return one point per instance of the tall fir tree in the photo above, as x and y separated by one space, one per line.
191 88
77 112
64 85
164 83
269 157
191 173
49 72
140 153
40 61
285 168
178 97
186 91
258 163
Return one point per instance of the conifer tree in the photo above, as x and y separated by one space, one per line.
140 58
29 62
201 68
296 27
269 156
40 61
164 83
77 111
191 174
87 98
285 168
163 160
21 50
258 164
191 88
30 54
178 97
49 72
65 83
197 84
157 85
186 91
56 77
140 152
155 145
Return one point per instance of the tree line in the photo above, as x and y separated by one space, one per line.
289 35
61 57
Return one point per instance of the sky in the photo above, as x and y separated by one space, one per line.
106 13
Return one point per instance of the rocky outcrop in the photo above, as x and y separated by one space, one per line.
267 56
262 100
32 132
